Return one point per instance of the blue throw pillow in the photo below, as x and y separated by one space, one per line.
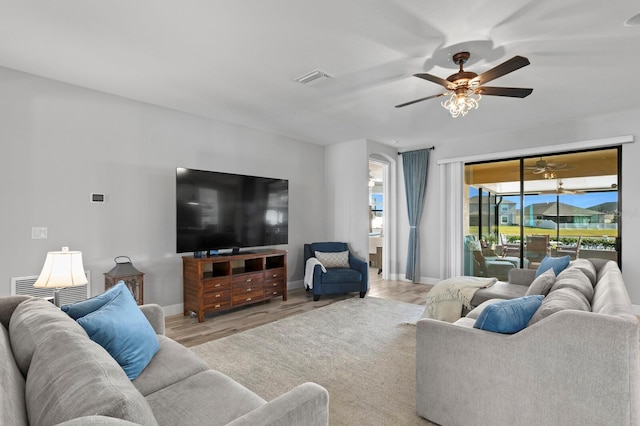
122 329
508 316
80 309
558 264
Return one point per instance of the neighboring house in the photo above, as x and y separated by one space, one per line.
562 214
507 212
610 211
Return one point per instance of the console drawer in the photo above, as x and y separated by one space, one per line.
273 292
251 279
276 274
216 284
215 297
217 306
247 295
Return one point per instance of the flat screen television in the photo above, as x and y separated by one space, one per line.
217 211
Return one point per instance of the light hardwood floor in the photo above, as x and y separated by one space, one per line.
190 332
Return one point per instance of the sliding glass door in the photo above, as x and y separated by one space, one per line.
520 210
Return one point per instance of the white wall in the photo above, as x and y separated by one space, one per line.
347 194
62 142
604 126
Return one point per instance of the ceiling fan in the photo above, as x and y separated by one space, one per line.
466 88
561 190
543 166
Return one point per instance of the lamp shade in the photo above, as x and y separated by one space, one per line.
62 269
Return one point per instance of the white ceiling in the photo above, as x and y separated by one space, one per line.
236 60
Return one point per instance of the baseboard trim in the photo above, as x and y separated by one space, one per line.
421 280
173 309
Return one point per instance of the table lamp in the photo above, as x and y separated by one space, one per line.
61 269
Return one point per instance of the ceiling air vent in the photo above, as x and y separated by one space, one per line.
314 77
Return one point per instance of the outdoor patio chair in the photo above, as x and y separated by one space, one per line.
573 251
536 249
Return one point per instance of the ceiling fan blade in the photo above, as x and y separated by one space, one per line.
420 100
435 79
557 165
513 92
511 65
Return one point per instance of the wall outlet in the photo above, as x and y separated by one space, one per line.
95 197
38 233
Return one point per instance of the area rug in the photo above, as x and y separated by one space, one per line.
361 350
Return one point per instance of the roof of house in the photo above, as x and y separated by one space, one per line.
559 209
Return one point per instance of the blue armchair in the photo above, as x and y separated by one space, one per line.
337 280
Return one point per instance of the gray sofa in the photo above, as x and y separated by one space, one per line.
568 367
52 373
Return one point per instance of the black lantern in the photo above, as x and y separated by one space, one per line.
125 271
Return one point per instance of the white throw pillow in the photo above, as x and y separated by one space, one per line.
337 259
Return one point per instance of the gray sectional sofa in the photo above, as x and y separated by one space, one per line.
576 363
52 373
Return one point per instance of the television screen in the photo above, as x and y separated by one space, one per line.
222 210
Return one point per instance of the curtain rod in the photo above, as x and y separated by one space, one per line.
431 148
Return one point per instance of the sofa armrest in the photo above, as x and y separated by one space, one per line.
522 276
358 264
155 316
7 306
306 404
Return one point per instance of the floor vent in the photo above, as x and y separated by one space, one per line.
24 285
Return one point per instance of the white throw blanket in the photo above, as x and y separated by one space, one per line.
308 271
447 298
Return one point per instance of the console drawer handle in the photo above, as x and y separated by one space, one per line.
249 289
248 280
217 295
248 299
217 285
217 306
275 275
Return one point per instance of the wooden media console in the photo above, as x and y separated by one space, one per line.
222 282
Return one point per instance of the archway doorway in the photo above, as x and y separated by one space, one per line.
378 218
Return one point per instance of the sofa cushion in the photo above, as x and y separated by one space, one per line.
558 264
508 316
558 300
12 405
171 364
542 284
475 312
576 279
80 309
500 290
71 376
587 267
122 329
208 398
33 320
336 259
341 275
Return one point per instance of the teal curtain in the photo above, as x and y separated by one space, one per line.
415 165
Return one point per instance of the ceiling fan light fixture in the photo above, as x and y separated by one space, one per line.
461 102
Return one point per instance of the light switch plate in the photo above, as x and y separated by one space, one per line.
39 233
